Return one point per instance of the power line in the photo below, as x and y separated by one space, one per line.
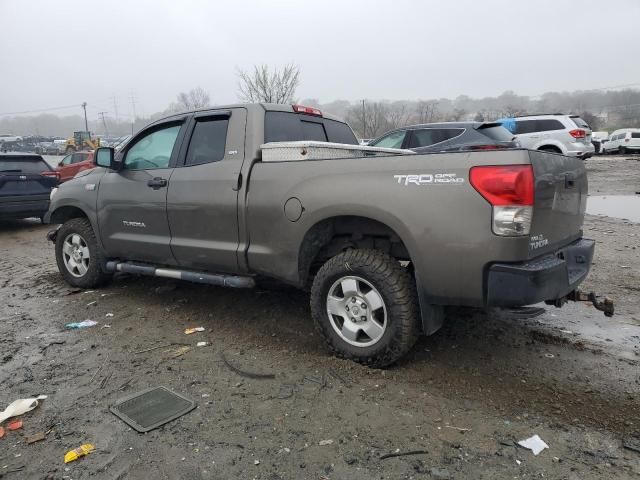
42 110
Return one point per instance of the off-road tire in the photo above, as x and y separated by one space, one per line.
95 276
397 288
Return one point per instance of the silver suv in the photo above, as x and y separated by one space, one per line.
558 133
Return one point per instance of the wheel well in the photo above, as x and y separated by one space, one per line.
64 214
334 235
550 148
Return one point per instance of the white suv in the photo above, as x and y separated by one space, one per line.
626 140
566 134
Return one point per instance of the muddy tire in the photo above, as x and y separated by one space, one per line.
363 303
78 255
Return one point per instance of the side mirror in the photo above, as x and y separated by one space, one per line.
105 158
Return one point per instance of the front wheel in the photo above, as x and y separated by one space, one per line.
78 255
364 305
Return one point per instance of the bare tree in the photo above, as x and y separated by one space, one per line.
426 111
191 100
264 85
398 115
369 119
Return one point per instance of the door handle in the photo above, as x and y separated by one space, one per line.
157 183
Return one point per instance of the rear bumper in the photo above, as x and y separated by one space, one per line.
548 277
23 208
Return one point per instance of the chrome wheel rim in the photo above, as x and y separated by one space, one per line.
356 311
75 254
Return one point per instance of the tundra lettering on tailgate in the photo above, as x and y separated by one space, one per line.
429 179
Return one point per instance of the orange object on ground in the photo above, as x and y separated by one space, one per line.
76 453
15 425
1 432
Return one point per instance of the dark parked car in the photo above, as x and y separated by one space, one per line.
26 181
448 136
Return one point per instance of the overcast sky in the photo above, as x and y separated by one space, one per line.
63 52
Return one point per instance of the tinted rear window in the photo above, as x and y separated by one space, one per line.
548 124
26 165
291 127
580 122
635 134
497 133
431 136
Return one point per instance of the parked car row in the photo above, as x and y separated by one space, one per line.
626 140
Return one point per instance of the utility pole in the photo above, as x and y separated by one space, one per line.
86 124
364 121
133 108
115 107
104 123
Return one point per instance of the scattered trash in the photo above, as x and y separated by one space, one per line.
20 407
244 373
15 425
535 444
189 331
154 348
108 315
518 462
152 408
76 453
202 344
36 437
95 302
256 462
402 454
83 324
549 355
458 428
105 326
178 352
323 443
2 432
625 266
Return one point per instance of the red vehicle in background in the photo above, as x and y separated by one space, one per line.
74 163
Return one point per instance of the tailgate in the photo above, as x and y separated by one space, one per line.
560 201
16 184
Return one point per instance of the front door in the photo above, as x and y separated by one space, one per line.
132 202
202 202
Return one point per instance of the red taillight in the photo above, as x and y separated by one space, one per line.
504 184
578 133
307 110
51 174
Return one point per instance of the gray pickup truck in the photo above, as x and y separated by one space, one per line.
382 239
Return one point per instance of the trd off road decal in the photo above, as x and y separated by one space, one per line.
429 179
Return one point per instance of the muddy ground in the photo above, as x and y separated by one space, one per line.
463 396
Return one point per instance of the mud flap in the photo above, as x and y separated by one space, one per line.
432 315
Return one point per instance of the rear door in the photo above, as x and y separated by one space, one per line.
132 202
560 201
202 200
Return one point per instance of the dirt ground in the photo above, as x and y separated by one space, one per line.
462 397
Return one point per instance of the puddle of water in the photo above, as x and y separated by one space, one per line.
618 206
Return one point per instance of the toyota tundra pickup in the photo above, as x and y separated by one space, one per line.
383 239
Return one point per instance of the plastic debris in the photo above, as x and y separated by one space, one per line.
535 444
109 315
20 407
189 331
76 453
323 443
83 324
95 302
15 425
2 432
178 352
36 437
202 344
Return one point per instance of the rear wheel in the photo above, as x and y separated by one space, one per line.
78 255
364 305
550 148
622 150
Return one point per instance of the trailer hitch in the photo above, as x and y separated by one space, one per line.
604 305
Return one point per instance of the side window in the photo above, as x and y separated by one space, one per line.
548 124
207 142
393 140
153 150
78 157
67 160
432 136
525 126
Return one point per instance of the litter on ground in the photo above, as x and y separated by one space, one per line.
19 407
189 331
76 453
83 324
535 444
